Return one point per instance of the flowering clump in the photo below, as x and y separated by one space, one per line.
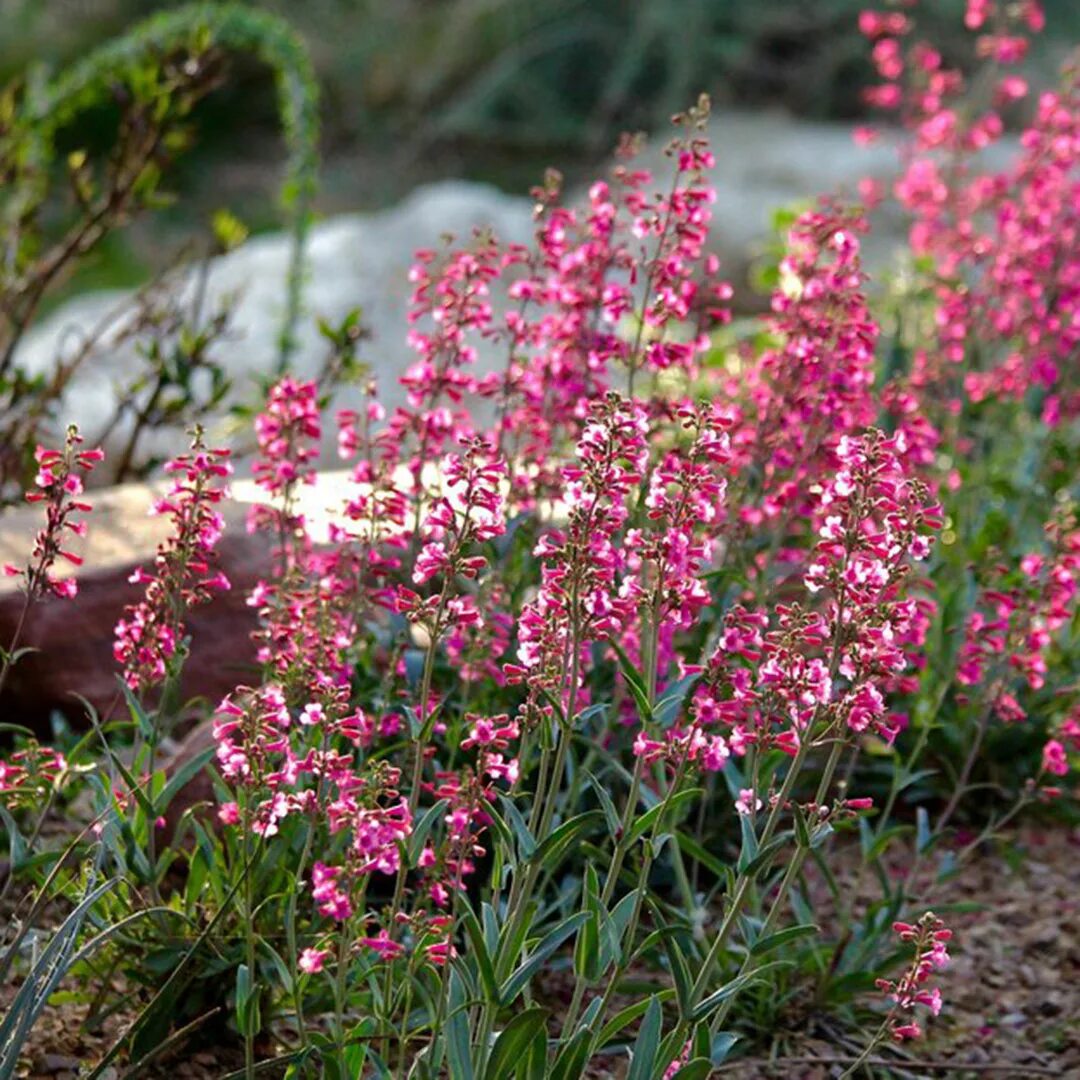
1013 628
288 435
624 628
929 937
828 666
817 383
578 601
59 485
29 776
468 515
151 632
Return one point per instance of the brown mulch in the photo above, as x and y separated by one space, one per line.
1012 992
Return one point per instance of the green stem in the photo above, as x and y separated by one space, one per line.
249 935
340 985
622 844
870 1047
635 916
745 880
791 874
13 647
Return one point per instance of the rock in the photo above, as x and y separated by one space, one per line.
74 638
355 260
59 1063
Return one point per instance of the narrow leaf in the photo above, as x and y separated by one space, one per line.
513 1042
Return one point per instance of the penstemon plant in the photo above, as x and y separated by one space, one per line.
554 750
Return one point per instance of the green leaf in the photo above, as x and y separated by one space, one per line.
802 834
598 709
882 840
423 829
781 938
139 715
513 938
716 999
681 974
49 968
248 1020
503 835
483 958
670 806
570 1062
458 1049
657 937
923 837
643 1056
15 840
555 846
722 1042
625 1017
160 1007
749 848
283 973
766 854
524 973
491 927
670 1048
668 708
609 938
698 1069
229 231
866 838
915 777
587 949
526 842
133 785
533 1064
699 853
514 1041
620 919
16 729
610 813
182 777
634 682
587 946
243 985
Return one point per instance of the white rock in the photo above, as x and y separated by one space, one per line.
355 260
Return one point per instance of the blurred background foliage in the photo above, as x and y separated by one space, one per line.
492 90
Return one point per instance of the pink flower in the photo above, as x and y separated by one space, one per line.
311 960
747 802
312 715
57 485
383 945
330 899
929 937
1054 759
150 634
910 1030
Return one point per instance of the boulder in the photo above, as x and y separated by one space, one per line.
354 260
73 639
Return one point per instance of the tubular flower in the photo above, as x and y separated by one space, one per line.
183 576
